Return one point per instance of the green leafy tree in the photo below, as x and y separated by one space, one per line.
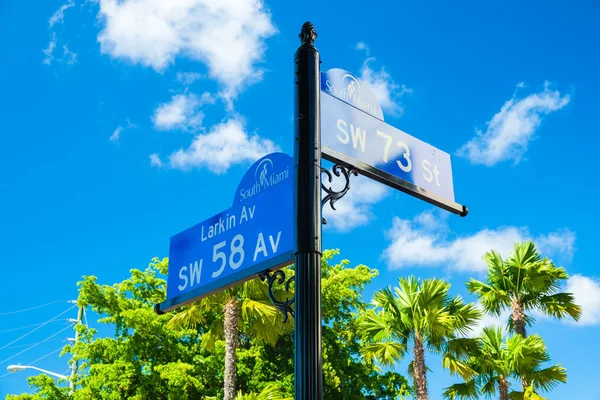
417 313
489 367
144 358
523 283
247 303
347 375
46 387
270 392
135 354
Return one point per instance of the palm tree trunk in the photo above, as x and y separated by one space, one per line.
420 370
518 318
503 386
230 326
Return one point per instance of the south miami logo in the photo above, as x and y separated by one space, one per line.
346 87
266 175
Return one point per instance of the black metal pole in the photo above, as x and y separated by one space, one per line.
308 362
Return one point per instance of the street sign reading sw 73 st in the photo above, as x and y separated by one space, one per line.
354 134
254 235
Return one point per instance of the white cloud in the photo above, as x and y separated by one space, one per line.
182 112
116 134
59 14
48 52
155 160
227 35
68 56
226 144
355 208
425 241
363 46
512 128
587 295
562 241
187 78
383 86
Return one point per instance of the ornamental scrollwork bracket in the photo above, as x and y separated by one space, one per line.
334 195
285 307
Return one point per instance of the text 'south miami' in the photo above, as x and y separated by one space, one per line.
267 174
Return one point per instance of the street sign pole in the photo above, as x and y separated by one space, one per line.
308 362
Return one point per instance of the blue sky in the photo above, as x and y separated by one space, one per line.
124 123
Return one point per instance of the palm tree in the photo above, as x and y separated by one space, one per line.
417 313
248 303
270 392
524 282
489 367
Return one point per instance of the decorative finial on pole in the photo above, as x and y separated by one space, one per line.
308 34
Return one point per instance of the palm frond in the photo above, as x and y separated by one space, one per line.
466 390
560 305
270 392
433 293
214 333
526 354
190 317
546 379
528 394
462 348
464 315
386 353
253 309
375 327
491 339
457 367
523 256
407 292
494 300
489 387
438 324
498 272
516 395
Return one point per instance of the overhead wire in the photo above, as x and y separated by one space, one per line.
29 344
36 327
29 326
34 345
47 355
39 327
33 308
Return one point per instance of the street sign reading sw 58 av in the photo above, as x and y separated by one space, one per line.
252 236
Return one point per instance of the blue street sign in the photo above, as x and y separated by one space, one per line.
254 235
355 138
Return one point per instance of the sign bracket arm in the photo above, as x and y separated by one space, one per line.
285 307
334 195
